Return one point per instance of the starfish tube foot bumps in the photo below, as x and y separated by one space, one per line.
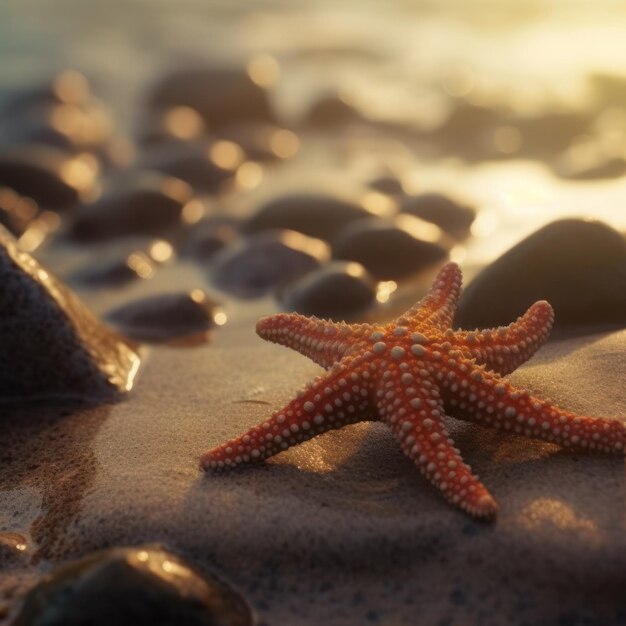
408 374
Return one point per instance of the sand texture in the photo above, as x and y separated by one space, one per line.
342 529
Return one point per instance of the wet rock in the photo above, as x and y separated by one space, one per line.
338 290
132 586
149 204
65 87
263 142
13 548
69 127
51 343
260 263
387 184
222 95
50 176
208 237
205 165
115 270
167 317
578 266
332 111
317 215
177 123
449 215
391 248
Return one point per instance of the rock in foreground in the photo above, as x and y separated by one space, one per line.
578 266
132 586
51 343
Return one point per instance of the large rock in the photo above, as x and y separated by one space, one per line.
578 266
132 587
51 343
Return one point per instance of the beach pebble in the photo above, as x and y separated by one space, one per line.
331 111
166 317
150 204
132 587
338 290
205 165
70 127
449 215
51 343
578 266
258 264
262 142
173 123
222 95
115 269
388 184
65 87
318 215
208 237
391 248
48 175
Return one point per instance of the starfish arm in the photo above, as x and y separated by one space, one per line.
322 341
437 308
504 349
413 409
332 401
479 395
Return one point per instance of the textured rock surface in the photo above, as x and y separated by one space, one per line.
132 586
51 343
578 266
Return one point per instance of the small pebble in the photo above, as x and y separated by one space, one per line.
259 264
339 290
221 95
390 248
51 177
168 317
441 210
150 204
318 215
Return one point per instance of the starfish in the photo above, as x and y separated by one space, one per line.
409 374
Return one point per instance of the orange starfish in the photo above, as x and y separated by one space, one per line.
409 374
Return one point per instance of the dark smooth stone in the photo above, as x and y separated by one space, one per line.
150 204
176 123
116 270
51 177
208 237
166 317
262 142
387 184
330 111
132 587
192 162
69 127
222 95
390 248
578 266
450 216
65 87
338 290
317 215
52 345
261 263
